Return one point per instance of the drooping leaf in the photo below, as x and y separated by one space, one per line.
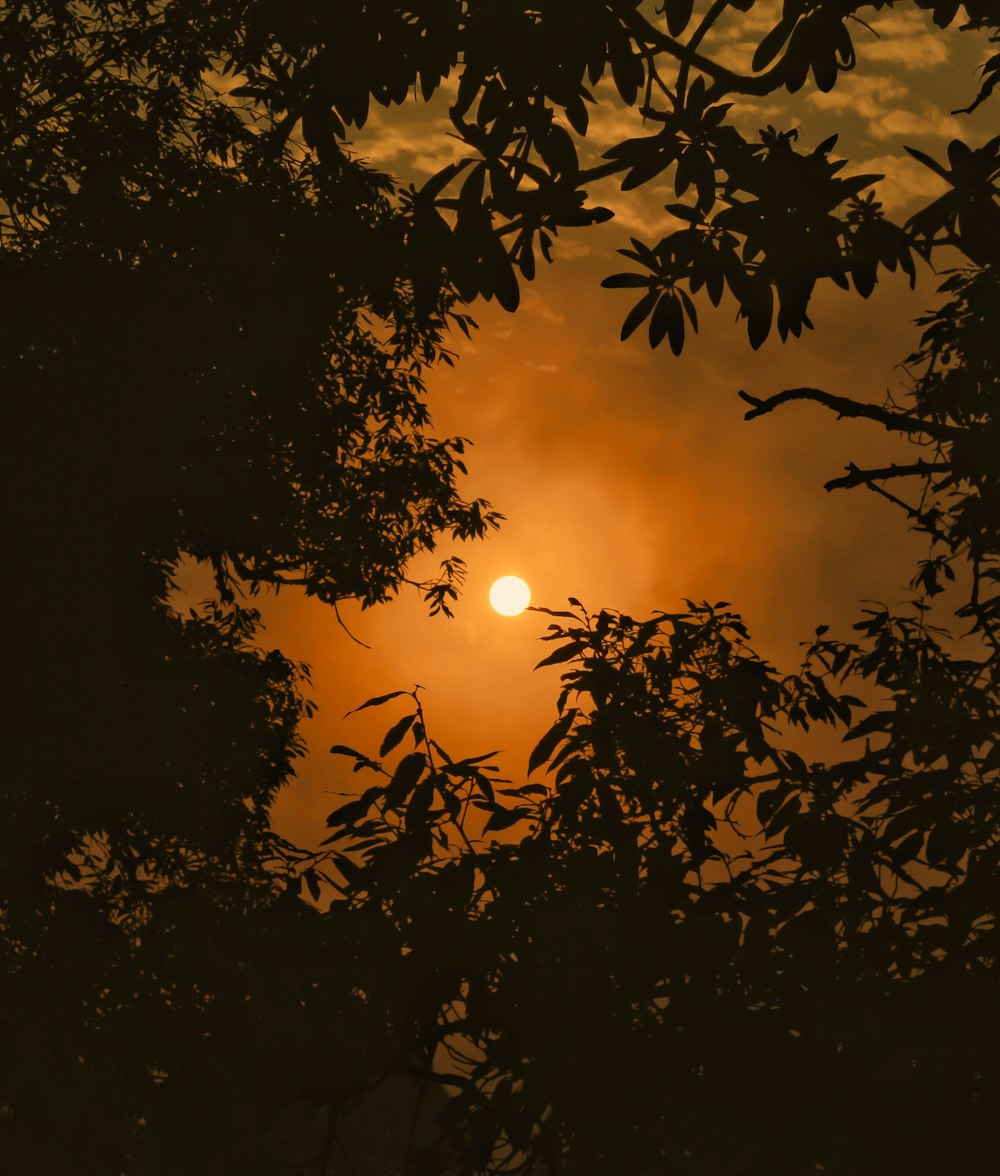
563 654
772 44
548 742
395 734
408 771
638 313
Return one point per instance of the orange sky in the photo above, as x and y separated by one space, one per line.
629 478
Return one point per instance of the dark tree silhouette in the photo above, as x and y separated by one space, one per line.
216 323
211 349
692 949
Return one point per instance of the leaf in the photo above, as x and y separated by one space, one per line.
348 867
577 114
877 722
784 815
419 806
668 319
559 152
625 282
378 701
771 45
638 313
342 749
525 790
437 183
504 818
678 13
548 742
689 307
627 69
395 734
563 654
758 306
408 772
485 786
347 813
928 162
945 845
311 884
505 287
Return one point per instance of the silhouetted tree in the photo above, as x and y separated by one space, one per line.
211 349
693 949
216 325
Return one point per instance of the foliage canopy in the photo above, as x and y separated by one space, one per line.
217 322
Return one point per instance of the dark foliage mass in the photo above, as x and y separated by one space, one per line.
693 944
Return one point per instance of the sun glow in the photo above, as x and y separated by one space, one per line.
510 595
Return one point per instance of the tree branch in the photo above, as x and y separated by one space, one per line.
900 422
267 576
708 21
925 521
859 477
726 81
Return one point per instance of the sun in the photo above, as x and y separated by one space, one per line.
510 596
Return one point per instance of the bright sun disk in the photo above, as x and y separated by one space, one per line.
510 595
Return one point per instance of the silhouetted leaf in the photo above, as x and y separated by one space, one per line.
408 771
927 161
772 44
638 313
548 742
563 654
504 818
668 319
342 749
380 700
395 734
626 281
678 14
349 812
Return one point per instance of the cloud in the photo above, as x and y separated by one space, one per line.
537 306
868 97
570 250
904 39
610 119
633 353
924 121
641 212
888 108
733 42
422 146
900 38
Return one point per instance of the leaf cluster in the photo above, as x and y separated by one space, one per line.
686 905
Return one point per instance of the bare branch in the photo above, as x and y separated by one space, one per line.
859 477
843 406
925 520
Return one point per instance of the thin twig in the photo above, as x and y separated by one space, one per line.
340 622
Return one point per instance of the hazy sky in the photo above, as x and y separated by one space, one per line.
629 478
